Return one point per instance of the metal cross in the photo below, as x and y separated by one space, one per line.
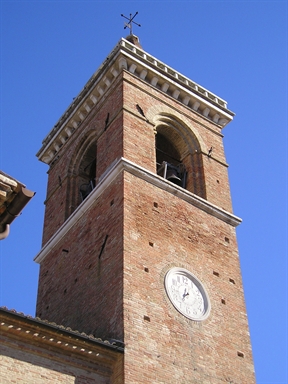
130 22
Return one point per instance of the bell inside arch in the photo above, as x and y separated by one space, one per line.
172 175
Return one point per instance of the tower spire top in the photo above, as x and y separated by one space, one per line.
130 22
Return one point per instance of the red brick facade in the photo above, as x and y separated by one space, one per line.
103 272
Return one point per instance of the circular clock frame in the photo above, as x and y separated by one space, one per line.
187 294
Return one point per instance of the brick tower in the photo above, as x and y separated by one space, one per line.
139 239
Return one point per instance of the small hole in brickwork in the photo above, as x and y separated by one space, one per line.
111 202
232 281
146 318
216 273
47 307
75 281
65 250
65 290
227 240
151 244
223 301
155 205
218 181
90 266
240 354
146 269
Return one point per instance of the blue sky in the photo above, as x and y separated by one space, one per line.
236 49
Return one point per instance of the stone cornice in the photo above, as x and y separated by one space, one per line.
126 56
111 173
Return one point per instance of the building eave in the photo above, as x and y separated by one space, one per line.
13 198
53 333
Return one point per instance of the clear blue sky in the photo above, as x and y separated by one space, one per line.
236 49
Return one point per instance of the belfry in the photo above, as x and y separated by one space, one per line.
139 243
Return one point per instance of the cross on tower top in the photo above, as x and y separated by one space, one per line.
130 22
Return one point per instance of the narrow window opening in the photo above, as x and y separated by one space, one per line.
86 188
87 172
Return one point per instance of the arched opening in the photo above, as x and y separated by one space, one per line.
87 172
178 155
82 173
165 150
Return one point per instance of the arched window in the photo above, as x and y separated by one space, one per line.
87 172
178 155
82 175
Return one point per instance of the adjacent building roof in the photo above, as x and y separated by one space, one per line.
13 198
38 328
66 351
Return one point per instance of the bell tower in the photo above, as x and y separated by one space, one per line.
139 240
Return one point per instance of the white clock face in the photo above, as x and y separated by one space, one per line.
187 294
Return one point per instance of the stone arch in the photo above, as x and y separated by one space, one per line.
82 171
155 112
178 147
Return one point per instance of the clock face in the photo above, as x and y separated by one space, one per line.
187 294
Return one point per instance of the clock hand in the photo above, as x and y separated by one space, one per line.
185 294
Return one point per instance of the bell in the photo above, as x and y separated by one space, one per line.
173 177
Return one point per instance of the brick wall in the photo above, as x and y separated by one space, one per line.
79 286
63 194
139 141
161 231
22 363
120 293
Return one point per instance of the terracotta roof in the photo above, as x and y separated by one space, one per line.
9 318
13 198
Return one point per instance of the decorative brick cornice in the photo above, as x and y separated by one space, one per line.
127 57
111 173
